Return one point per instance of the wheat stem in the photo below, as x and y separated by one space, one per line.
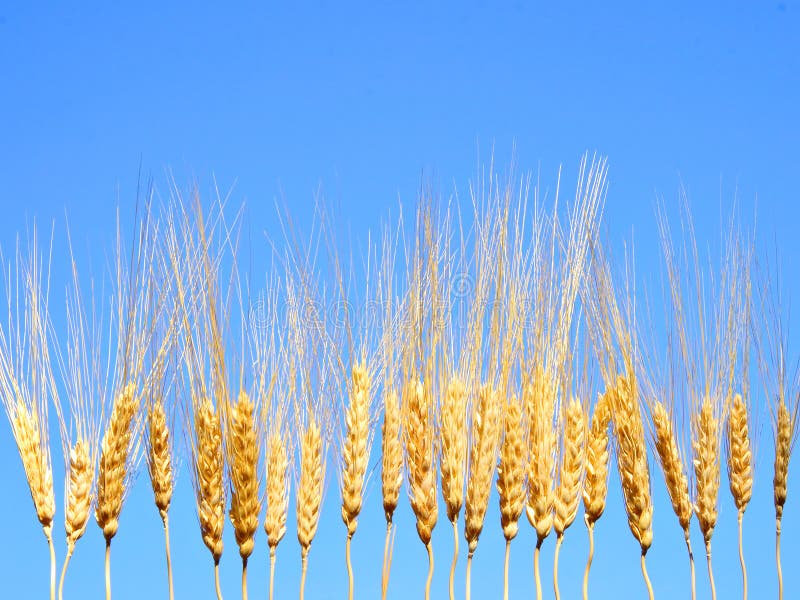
691 561
647 577
386 565
559 539
108 568
271 571
216 579
455 560
49 535
349 567
303 569
429 548
590 528
505 569
244 579
468 593
778 557
70 548
536 568
169 558
741 556
710 571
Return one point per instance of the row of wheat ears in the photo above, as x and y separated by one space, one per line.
459 412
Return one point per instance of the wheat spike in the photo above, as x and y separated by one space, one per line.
115 451
277 490
783 448
209 470
482 460
79 492
355 454
391 455
309 491
26 427
740 455
159 461
391 474
539 396
420 457
571 473
595 485
632 461
454 447
511 470
672 465
243 455
706 468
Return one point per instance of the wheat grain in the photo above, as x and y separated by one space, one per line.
277 498
672 465
160 457
740 469
31 444
243 454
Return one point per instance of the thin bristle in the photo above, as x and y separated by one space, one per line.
277 490
568 495
159 461
79 492
355 453
740 455
454 447
309 492
482 460
243 455
209 484
392 455
632 461
115 451
511 471
595 485
421 460
706 468
672 465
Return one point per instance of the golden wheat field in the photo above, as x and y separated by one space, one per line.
488 365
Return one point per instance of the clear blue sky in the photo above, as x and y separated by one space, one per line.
361 102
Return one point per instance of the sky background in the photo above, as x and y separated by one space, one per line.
360 104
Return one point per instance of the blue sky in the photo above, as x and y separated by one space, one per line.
359 103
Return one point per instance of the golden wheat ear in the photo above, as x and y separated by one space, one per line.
309 492
595 484
391 474
511 476
159 466
277 498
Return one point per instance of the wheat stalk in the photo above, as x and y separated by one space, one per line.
453 458
675 477
309 492
568 495
159 464
511 476
421 461
740 468
116 451
391 474
355 456
595 483
485 436
242 447
632 464
277 498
